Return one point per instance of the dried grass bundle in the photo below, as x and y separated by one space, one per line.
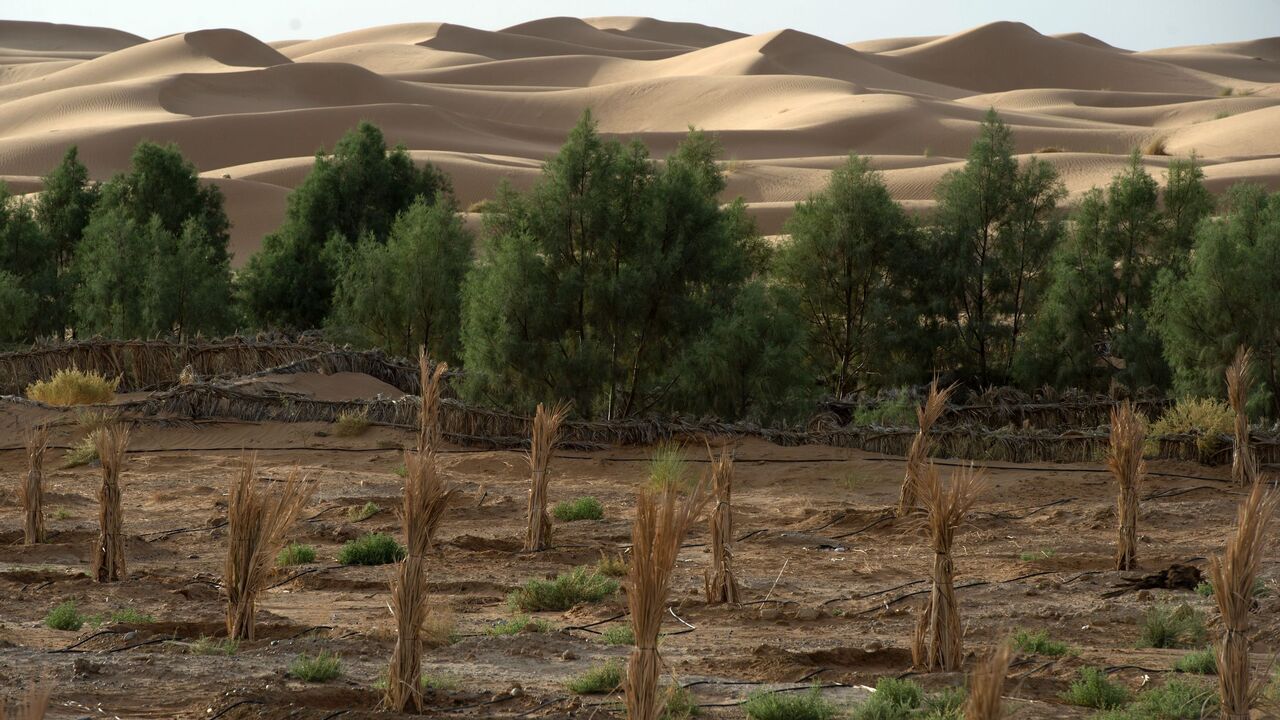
426 495
1233 577
33 707
1128 434
430 433
721 585
918 455
542 446
663 517
938 639
108 557
1242 461
31 492
257 521
986 686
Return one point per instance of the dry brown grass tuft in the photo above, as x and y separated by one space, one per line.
986 686
663 517
257 521
542 447
31 492
720 584
430 433
1242 460
426 495
918 455
33 707
938 641
108 564
1128 434
1234 576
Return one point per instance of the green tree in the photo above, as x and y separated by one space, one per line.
996 226
842 263
63 209
17 308
355 192
407 292
1186 202
188 284
108 298
1226 298
30 276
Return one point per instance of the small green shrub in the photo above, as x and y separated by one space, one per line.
1168 626
945 705
364 512
1039 643
1093 689
580 584
214 646
1198 662
64 617
898 411
764 705
371 549
130 616
668 466
583 508
1205 589
611 566
1208 418
1042 554
62 514
893 699
316 668
599 680
680 705
519 624
351 423
618 635
296 554
73 387
82 453
1175 700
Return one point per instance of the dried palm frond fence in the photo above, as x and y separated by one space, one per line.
939 636
663 517
1242 466
926 415
31 492
720 584
1233 576
1128 433
257 521
542 446
108 563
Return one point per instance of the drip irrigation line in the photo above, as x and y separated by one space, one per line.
297 575
597 623
1035 670
152 641
1003 515
536 708
162 534
800 679
310 629
71 648
873 594
976 583
335 714
494 701
233 706
1117 668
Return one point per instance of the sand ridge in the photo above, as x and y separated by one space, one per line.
489 105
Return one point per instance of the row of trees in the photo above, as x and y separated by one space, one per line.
625 285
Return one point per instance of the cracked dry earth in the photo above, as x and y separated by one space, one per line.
831 585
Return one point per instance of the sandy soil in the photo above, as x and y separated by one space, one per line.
488 105
829 581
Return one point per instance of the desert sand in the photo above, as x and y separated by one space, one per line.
487 105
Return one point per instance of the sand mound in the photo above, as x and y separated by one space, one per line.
338 387
694 35
19 35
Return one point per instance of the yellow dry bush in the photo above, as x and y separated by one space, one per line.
1210 419
73 387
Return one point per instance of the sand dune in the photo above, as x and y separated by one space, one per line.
488 105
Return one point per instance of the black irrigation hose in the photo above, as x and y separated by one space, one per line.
71 648
976 583
233 706
874 593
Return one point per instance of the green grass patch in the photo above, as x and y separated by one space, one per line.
82 453
64 617
1172 626
898 411
316 668
519 624
668 467
1095 690
214 646
126 616
808 705
597 681
1177 699
583 508
581 584
1198 662
363 512
1039 643
893 699
1041 554
618 635
1205 589
62 514
371 549
680 705
295 554
613 566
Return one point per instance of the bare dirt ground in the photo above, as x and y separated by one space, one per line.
828 579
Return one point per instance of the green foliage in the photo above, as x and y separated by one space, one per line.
619 635
1172 626
1200 662
1208 418
945 705
1039 643
128 616
353 193
581 584
1177 699
893 699
82 453
1205 589
296 554
810 705
1222 301
371 549
843 264
598 680
518 624
406 291
583 508
214 646
996 229
28 273
318 668
680 705
65 617
596 284
668 466
611 566
62 210
363 512
897 411
1041 554
1093 689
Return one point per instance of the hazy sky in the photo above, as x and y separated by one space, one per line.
1134 24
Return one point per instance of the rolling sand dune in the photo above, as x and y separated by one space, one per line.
486 105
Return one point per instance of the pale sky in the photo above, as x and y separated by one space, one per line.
1133 24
